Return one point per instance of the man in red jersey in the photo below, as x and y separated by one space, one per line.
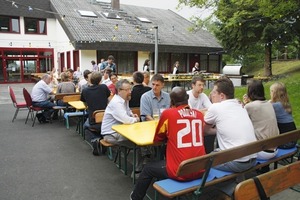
182 128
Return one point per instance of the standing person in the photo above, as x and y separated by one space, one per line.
196 68
175 71
40 98
154 99
199 100
94 66
227 118
118 112
172 122
109 63
146 66
283 111
99 64
138 89
263 117
96 98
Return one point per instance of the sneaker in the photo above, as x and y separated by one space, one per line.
130 195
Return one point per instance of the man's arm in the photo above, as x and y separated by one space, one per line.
210 129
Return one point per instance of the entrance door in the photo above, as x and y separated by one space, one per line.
29 66
13 70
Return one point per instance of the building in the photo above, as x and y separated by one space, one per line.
36 36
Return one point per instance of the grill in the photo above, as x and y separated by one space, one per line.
234 72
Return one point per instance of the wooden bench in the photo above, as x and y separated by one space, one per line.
272 182
172 188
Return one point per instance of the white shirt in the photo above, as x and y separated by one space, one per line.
106 82
201 102
234 127
116 112
40 91
81 83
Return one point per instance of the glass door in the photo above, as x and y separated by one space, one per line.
13 70
29 66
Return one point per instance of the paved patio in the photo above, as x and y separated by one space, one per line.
48 161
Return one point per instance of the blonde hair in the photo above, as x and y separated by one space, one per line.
64 77
279 94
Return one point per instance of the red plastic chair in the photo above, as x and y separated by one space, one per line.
18 106
33 110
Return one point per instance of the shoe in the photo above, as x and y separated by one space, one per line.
96 148
130 195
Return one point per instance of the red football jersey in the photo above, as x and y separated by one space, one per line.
182 127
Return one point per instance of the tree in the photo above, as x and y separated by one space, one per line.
244 23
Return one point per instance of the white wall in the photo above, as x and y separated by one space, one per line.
86 56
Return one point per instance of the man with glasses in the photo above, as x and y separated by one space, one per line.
118 112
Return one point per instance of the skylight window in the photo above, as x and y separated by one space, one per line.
144 19
111 15
85 13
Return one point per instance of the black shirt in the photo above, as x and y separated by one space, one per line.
136 93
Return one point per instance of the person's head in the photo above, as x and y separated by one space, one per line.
279 93
86 73
95 78
197 65
107 72
138 77
93 62
78 69
178 97
46 78
123 87
198 84
114 78
64 77
256 90
223 89
158 83
70 73
110 59
146 77
176 64
147 62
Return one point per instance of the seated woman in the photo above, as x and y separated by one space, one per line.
283 111
262 115
65 86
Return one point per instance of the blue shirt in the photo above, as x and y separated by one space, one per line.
281 115
149 102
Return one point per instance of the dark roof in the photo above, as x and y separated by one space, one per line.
40 8
100 33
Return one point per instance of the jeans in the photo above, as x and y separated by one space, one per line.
45 104
235 166
150 171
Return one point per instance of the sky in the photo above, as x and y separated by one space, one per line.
186 12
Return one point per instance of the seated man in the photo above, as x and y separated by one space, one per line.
182 127
40 98
138 89
118 112
96 97
227 118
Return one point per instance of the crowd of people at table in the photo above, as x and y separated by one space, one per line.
186 118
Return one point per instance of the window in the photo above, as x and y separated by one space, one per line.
9 24
35 26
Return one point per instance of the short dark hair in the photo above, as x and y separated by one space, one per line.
110 57
93 62
96 78
256 90
113 74
86 73
197 78
158 77
225 86
138 77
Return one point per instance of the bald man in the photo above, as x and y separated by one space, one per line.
182 128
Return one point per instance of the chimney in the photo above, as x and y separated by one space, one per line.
115 4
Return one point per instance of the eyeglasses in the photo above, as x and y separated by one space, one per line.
128 89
